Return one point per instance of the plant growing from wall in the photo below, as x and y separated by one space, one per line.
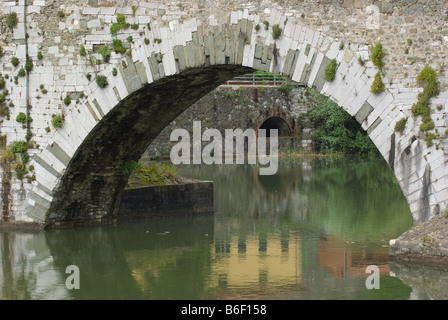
119 25
67 100
21 73
276 31
377 56
400 125
104 53
330 70
266 25
118 46
82 51
101 81
12 20
28 64
377 84
428 80
15 61
40 56
57 120
21 117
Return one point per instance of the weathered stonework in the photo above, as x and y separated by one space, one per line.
191 50
243 107
151 202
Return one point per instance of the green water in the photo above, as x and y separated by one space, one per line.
308 232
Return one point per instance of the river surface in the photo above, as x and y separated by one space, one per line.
308 232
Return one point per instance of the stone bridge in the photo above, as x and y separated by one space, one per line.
86 104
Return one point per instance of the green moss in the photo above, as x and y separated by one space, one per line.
330 70
257 27
114 72
377 56
401 125
21 73
377 84
40 56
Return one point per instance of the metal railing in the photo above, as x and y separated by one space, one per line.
256 79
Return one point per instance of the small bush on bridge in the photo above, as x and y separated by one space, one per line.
330 70
119 25
12 20
377 84
428 80
276 31
101 81
377 56
57 120
118 46
15 61
401 125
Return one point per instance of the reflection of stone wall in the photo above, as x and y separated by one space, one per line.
166 201
247 107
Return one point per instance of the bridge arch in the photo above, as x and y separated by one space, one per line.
78 172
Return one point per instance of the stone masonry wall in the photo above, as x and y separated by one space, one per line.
241 107
176 52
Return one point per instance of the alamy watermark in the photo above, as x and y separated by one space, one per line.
232 143
373 281
72 281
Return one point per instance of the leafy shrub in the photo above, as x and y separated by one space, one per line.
15 61
377 84
118 47
276 31
67 100
57 120
377 56
104 53
12 20
335 131
28 64
101 81
21 117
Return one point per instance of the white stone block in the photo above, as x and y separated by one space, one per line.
94 24
90 10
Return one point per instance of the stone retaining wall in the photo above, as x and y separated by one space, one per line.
166 201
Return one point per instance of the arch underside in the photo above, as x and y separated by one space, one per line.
90 189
